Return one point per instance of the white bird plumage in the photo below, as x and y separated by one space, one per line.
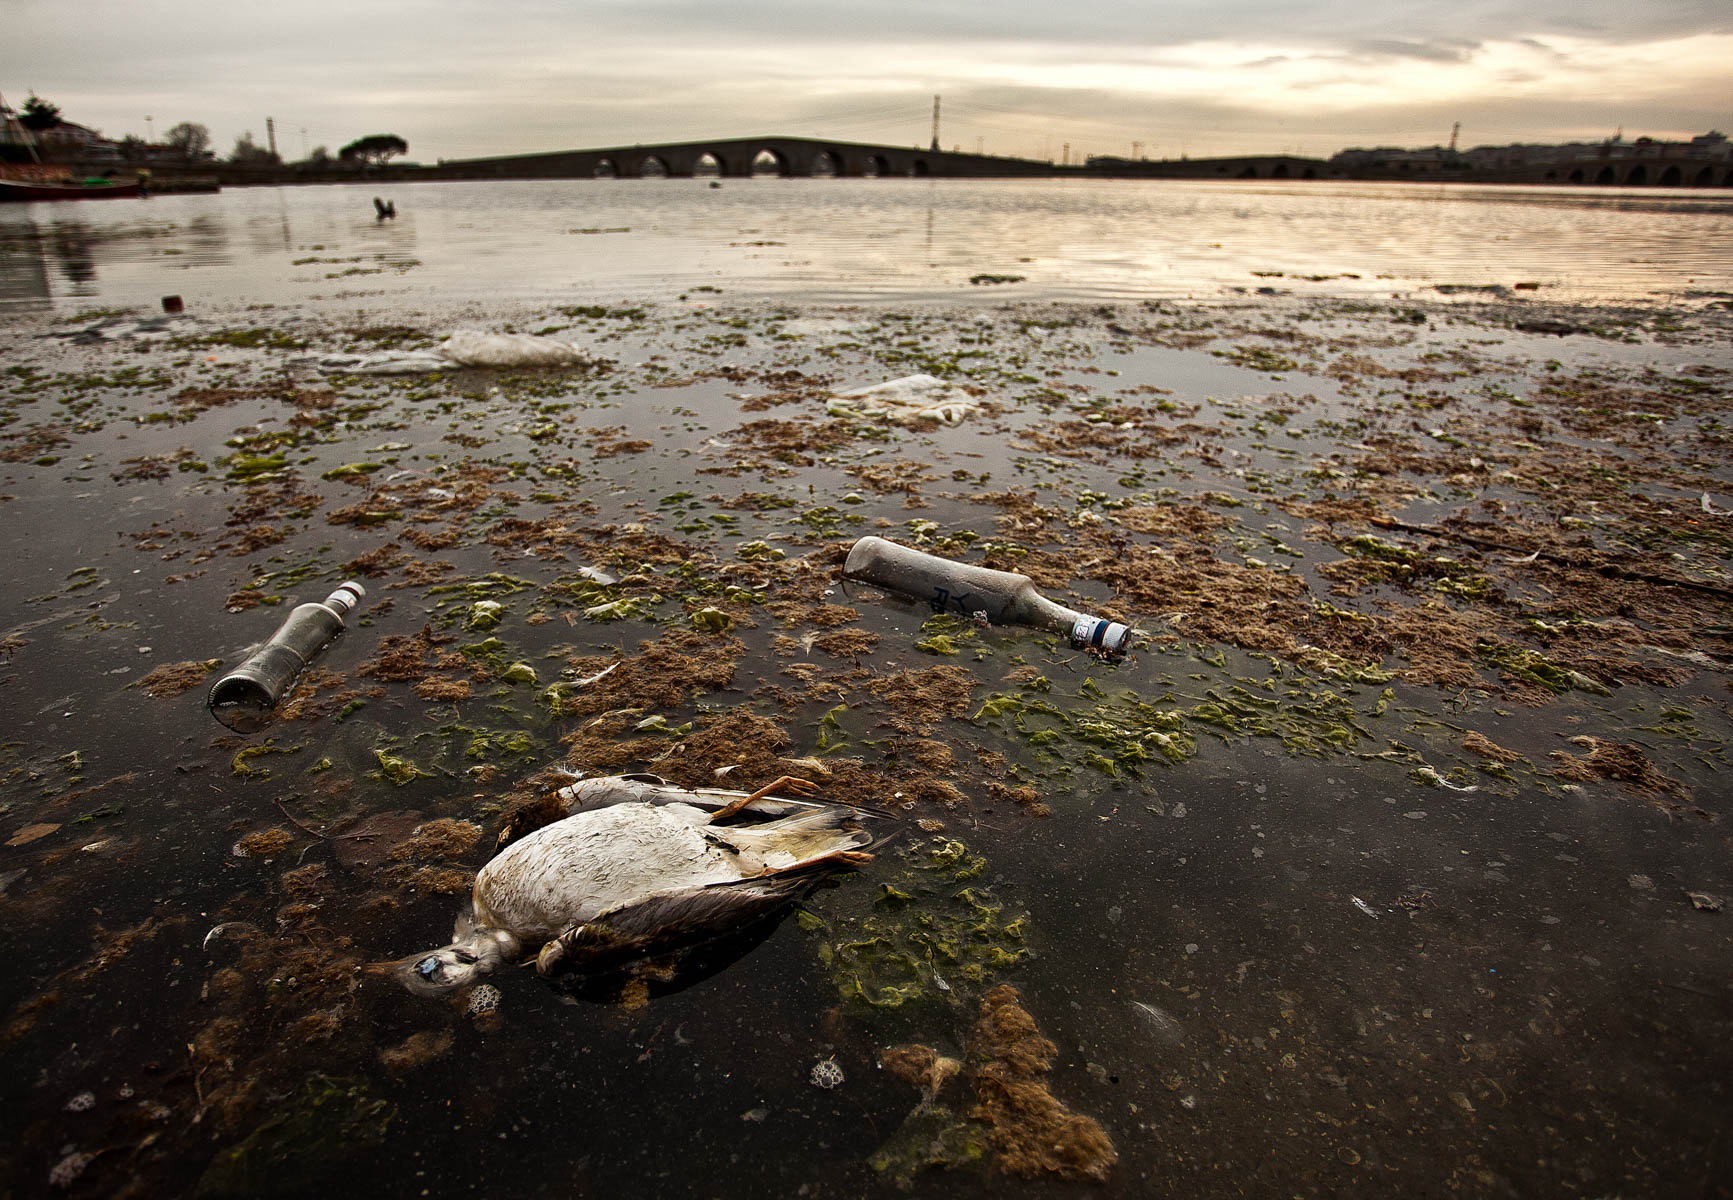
637 864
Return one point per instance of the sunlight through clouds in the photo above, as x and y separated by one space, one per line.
458 79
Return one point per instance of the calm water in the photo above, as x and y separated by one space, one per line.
1264 973
848 240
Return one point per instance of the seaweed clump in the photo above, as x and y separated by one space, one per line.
1030 1129
1619 761
172 679
1016 1123
931 935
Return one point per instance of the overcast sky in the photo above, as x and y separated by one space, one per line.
464 78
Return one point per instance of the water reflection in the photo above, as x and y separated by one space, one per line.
71 244
23 269
853 239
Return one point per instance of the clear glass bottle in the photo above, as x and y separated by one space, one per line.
1005 597
241 698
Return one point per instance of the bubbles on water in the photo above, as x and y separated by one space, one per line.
827 1074
83 1102
483 1000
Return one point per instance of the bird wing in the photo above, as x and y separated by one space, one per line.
593 862
669 920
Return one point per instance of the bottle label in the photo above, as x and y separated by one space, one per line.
1086 631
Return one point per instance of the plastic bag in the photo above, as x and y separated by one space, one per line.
475 348
911 398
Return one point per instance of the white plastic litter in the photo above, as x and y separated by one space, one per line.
386 362
911 398
475 348
465 348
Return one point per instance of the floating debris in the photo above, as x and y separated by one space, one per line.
827 1074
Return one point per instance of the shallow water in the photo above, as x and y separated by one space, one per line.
1285 965
850 240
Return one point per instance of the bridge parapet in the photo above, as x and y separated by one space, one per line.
734 158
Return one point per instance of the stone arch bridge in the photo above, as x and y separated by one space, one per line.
735 158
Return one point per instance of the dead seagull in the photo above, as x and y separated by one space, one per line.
641 864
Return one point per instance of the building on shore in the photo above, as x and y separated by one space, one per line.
1704 161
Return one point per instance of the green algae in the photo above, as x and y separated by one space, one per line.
1258 358
482 587
398 769
927 937
626 608
242 764
831 736
1533 667
254 468
759 551
947 635
712 620
932 1137
1117 735
1120 732
486 745
484 615
1396 563
329 1120
352 470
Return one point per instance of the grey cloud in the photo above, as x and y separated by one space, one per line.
1431 51
463 77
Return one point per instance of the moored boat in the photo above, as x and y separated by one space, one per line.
19 190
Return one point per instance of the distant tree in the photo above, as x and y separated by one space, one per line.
38 115
132 148
374 148
320 156
189 140
250 152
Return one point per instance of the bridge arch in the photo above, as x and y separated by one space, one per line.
1671 177
1606 175
874 166
1575 176
1638 176
918 169
1705 178
652 166
1280 171
709 163
770 161
827 164
605 168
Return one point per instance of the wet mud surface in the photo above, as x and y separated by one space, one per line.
1392 861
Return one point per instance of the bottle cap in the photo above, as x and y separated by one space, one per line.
346 597
1093 633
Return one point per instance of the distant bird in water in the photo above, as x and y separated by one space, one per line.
641 865
384 208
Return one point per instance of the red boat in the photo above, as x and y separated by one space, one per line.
18 190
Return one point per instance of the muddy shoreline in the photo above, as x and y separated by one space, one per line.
1396 849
